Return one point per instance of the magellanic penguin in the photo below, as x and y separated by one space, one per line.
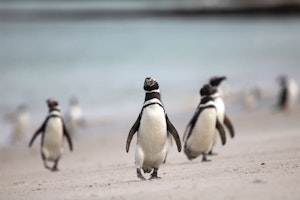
153 127
74 116
200 132
21 122
219 103
288 94
53 131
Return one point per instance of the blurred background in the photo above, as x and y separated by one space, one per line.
101 51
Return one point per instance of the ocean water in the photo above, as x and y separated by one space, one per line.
104 62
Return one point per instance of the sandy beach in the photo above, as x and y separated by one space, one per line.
261 162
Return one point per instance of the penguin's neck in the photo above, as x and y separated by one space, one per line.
206 99
152 95
54 111
215 95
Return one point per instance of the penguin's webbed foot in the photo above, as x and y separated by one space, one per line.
139 174
54 168
154 175
204 158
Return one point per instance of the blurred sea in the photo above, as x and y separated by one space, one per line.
104 62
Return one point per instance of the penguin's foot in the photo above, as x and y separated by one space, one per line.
211 153
54 169
139 174
154 175
46 166
204 159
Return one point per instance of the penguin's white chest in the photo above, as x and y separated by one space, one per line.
53 139
152 139
75 113
292 93
152 134
202 135
21 123
220 106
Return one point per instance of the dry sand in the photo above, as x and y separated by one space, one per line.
261 162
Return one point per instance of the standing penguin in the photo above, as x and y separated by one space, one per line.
74 116
200 132
20 119
53 131
219 103
153 127
288 94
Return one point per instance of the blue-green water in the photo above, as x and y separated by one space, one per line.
104 62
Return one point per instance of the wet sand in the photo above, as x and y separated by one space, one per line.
261 162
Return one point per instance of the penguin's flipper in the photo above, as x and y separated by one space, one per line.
132 131
171 129
229 125
191 123
67 135
221 132
37 132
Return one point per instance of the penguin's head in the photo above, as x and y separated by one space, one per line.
151 84
52 104
216 80
207 90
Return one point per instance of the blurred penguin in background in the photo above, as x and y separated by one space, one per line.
250 98
20 119
288 94
53 131
74 116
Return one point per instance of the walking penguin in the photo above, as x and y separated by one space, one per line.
53 131
153 127
288 95
200 132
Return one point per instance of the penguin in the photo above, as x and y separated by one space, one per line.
152 127
219 103
250 98
200 132
21 121
74 116
288 94
53 131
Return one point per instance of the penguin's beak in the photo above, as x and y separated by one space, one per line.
215 81
222 78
